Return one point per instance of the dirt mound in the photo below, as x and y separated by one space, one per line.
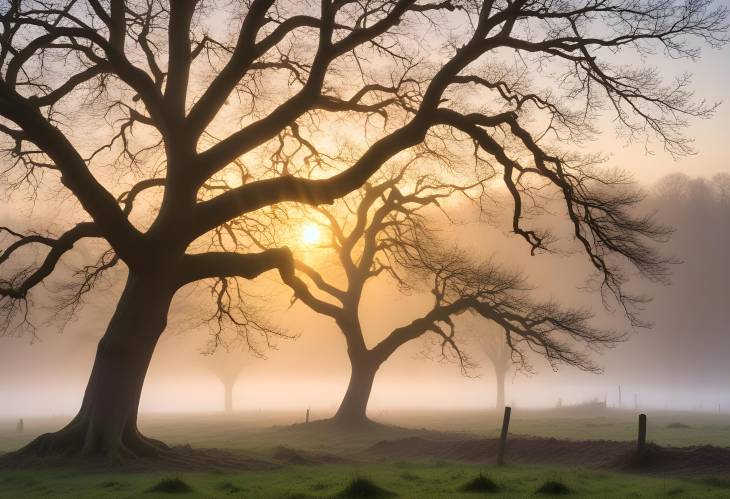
549 451
519 450
178 458
704 459
461 450
677 426
296 456
361 430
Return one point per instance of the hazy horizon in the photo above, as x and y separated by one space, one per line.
47 376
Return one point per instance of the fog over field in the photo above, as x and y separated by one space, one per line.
680 363
281 249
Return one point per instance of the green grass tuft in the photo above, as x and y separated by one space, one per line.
480 484
229 487
362 487
553 487
171 486
719 483
411 477
109 484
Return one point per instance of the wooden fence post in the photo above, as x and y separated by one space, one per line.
641 443
503 437
307 420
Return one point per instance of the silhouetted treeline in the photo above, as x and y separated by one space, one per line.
690 341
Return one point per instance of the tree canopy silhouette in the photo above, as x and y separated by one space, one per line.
227 110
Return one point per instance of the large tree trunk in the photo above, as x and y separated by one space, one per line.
353 408
106 424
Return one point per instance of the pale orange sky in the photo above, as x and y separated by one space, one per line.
711 82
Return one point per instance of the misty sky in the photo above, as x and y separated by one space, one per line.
679 363
711 74
47 376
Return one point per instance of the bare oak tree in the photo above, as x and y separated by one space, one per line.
158 96
383 231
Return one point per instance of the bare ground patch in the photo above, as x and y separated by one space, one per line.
178 458
606 454
289 455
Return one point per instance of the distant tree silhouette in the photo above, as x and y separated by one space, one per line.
500 356
691 315
227 367
122 104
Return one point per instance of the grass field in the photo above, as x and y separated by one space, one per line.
416 480
256 430
608 424
255 435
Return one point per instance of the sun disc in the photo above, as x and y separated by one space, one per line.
310 234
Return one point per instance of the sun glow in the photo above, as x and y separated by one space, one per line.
310 234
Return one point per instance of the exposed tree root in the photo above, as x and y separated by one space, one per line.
352 423
82 438
178 458
355 424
